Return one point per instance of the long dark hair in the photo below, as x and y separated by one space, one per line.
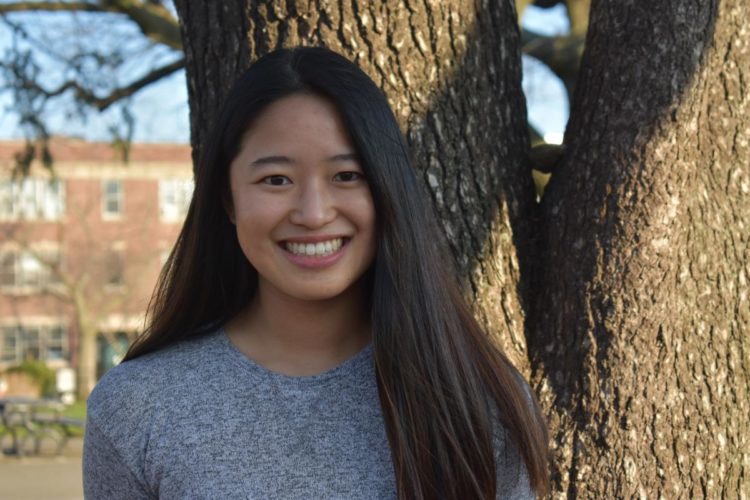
442 382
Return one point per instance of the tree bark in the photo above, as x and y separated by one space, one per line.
641 348
214 37
451 71
636 269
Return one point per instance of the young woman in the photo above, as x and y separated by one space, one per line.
305 339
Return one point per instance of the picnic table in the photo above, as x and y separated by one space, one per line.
29 421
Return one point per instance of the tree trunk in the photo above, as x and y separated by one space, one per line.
87 355
451 71
636 272
641 348
214 38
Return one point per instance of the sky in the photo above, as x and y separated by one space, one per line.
547 102
162 114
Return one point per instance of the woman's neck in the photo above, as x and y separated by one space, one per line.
298 337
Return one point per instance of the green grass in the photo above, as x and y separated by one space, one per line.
76 410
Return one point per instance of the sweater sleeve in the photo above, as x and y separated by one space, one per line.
105 474
517 489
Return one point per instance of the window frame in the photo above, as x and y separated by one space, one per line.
174 198
119 199
12 264
37 336
32 199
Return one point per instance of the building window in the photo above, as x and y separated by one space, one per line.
112 199
25 270
56 344
30 343
8 344
174 198
32 199
30 270
48 342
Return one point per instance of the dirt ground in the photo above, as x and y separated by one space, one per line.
45 477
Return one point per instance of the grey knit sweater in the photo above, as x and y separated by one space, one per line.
201 420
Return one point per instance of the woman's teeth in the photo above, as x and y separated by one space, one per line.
320 249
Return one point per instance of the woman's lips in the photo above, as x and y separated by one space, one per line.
316 261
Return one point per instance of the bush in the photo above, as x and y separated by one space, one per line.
40 373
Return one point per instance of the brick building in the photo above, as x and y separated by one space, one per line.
81 248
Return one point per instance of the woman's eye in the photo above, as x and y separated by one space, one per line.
348 176
276 180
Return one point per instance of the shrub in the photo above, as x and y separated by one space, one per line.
40 373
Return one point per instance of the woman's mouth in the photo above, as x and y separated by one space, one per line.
319 249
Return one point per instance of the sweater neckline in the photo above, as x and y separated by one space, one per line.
343 369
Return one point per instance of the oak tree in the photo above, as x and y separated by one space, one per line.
624 293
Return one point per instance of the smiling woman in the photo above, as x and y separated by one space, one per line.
306 339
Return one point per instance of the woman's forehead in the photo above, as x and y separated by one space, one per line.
297 126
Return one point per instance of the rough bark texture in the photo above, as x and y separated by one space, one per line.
215 44
641 349
639 332
451 71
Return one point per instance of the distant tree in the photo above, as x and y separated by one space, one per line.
87 57
80 273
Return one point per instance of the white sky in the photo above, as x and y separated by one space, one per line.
161 110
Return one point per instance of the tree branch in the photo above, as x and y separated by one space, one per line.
154 21
52 7
102 103
561 53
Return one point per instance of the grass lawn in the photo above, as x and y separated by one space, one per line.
76 410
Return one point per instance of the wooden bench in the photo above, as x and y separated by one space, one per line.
35 420
55 423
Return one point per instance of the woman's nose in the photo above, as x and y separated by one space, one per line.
314 207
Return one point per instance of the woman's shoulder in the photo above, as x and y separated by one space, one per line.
140 386
512 474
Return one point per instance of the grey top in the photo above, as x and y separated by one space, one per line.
200 420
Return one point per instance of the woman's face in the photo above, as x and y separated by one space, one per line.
302 208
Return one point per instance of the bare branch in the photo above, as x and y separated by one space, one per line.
546 4
154 21
560 53
63 290
102 103
53 7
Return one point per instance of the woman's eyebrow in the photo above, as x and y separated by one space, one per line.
344 157
280 159
265 160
